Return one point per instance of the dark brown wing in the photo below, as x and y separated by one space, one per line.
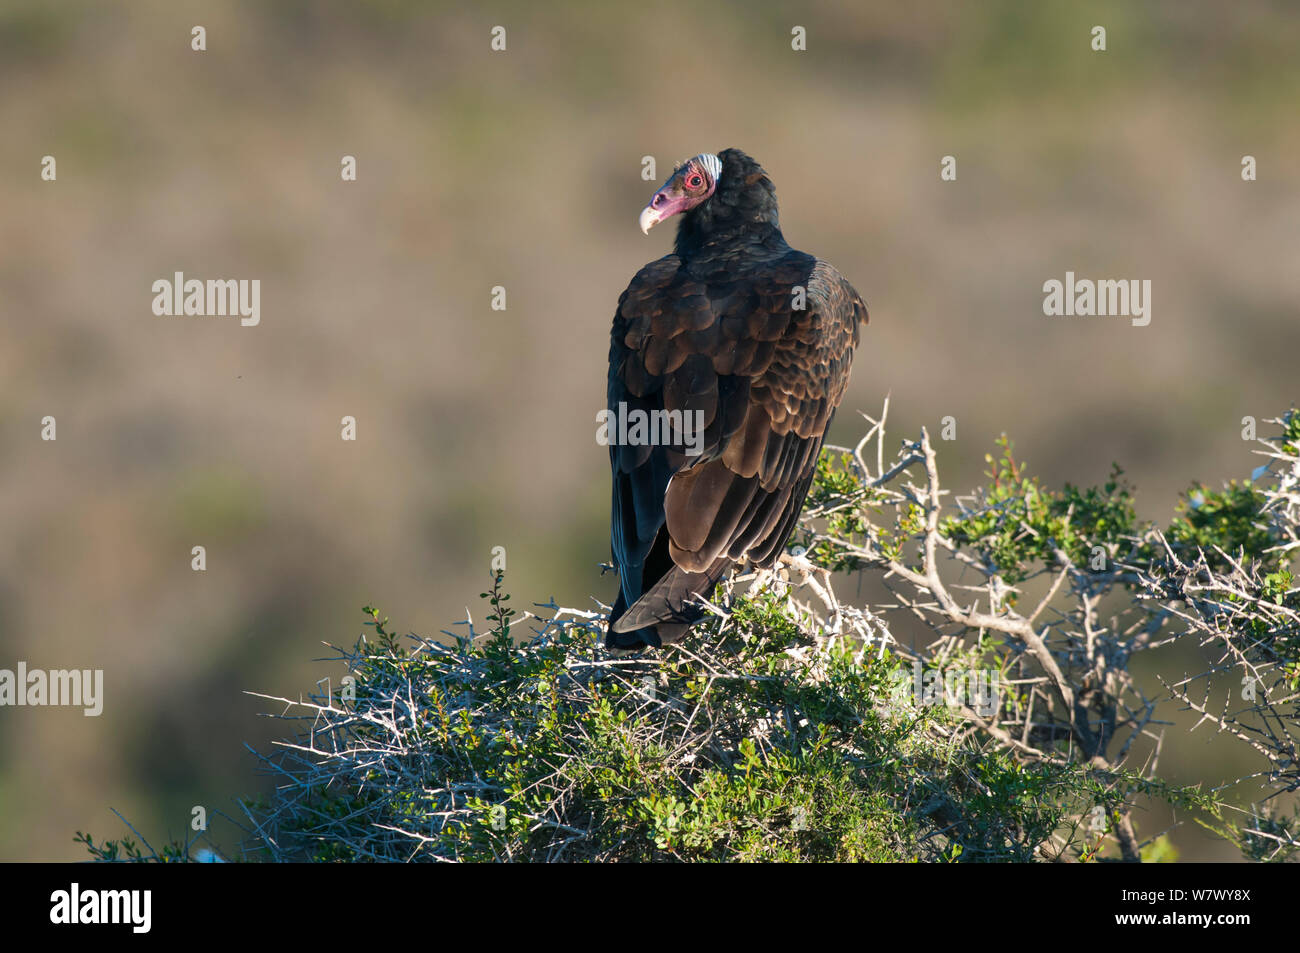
766 376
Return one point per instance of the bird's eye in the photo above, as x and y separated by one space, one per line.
694 180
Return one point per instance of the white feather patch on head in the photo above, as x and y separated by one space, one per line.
712 163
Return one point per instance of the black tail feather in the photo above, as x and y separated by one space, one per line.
674 599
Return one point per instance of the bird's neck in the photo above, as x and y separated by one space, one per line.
706 231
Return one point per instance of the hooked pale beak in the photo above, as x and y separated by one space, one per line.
649 219
666 203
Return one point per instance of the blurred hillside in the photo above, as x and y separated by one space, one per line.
522 169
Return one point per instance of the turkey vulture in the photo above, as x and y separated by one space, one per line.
746 344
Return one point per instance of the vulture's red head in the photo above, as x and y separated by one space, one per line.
690 184
719 199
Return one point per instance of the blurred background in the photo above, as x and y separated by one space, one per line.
476 428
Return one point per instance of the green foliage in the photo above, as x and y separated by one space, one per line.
1271 837
1276 627
741 749
1017 526
1021 525
1268 836
1229 519
1160 851
765 738
1233 519
128 851
1290 436
838 490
